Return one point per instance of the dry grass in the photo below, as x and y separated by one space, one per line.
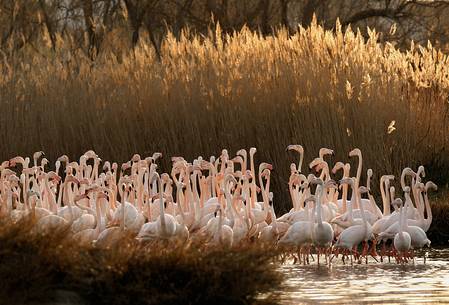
41 270
317 88
439 231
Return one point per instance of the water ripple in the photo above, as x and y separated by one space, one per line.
374 283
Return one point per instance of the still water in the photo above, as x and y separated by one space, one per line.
373 283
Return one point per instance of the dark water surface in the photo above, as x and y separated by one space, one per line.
372 283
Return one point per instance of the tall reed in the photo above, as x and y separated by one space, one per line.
317 88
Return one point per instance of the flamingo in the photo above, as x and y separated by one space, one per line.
299 234
322 233
220 209
300 150
402 240
87 236
357 233
165 225
111 236
429 186
224 235
270 233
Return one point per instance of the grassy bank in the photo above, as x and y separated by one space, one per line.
45 270
317 88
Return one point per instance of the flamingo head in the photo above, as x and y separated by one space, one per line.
73 179
242 152
32 193
408 171
316 181
339 165
252 151
166 178
263 166
237 159
311 198
44 161
83 160
4 164
125 166
15 160
294 179
90 154
64 159
156 156
421 171
296 147
54 176
293 168
38 154
431 185
364 189
406 189
330 184
355 152
224 152
311 177
136 158
397 202
316 164
325 151
387 178
349 181
265 173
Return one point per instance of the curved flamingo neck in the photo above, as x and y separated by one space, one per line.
386 202
359 171
362 209
404 225
178 198
428 210
351 207
124 199
97 214
50 196
319 217
161 206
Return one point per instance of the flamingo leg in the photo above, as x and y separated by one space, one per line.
382 252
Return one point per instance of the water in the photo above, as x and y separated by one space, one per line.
375 283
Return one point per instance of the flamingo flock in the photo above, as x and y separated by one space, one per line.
220 202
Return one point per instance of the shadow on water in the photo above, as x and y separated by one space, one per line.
373 283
